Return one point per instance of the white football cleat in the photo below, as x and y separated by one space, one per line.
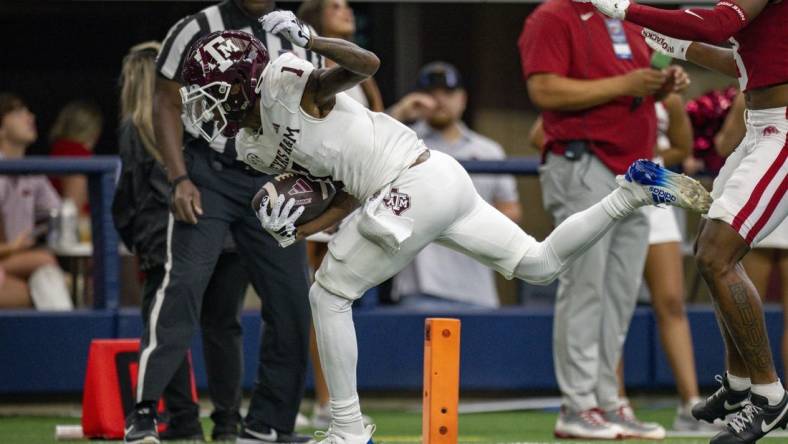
656 185
332 436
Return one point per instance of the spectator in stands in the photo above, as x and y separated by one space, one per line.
140 211
599 116
15 292
664 270
31 276
440 278
74 134
332 18
771 254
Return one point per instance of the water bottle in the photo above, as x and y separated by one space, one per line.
68 235
53 232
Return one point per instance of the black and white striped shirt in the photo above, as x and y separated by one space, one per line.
226 15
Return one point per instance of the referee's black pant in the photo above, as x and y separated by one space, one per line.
279 275
222 340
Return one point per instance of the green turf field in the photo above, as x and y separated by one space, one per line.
392 427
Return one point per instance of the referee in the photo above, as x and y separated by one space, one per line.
212 191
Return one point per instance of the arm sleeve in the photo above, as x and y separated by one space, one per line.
544 45
284 81
175 47
707 25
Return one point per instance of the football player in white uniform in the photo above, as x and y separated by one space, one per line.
293 117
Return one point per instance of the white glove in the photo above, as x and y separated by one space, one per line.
285 24
611 8
670 46
280 223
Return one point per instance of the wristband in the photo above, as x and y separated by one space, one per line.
178 180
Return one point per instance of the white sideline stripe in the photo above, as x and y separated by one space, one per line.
154 314
510 405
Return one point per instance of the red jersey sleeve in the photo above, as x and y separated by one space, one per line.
707 25
544 45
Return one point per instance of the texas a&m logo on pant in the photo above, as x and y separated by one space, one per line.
398 202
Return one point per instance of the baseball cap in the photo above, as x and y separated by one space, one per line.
439 75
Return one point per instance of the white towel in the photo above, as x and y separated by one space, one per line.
383 227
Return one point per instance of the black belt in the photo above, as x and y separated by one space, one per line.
572 150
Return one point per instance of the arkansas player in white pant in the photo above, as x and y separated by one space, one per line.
749 192
295 118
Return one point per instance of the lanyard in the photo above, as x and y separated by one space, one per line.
618 37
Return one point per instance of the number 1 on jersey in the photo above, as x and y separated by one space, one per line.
298 72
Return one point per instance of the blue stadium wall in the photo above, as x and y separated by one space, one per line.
508 349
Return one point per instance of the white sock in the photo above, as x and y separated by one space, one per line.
336 342
346 415
738 383
774 391
621 203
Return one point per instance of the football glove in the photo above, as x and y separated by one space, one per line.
285 24
611 8
280 222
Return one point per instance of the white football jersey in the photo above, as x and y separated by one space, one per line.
362 149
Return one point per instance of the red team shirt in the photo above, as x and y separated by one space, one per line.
762 48
572 40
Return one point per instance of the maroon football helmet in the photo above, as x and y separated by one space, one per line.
222 74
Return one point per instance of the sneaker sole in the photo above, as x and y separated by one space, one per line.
692 195
651 437
562 435
145 440
658 181
258 441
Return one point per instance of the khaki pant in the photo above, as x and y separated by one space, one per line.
597 293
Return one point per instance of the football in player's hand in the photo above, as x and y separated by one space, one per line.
315 196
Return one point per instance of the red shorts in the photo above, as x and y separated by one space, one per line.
749 193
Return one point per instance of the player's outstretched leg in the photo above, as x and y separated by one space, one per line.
645 183
336 342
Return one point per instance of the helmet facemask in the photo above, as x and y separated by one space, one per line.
223 72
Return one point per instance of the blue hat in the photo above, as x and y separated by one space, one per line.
439 75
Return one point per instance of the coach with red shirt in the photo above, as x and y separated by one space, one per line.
597 100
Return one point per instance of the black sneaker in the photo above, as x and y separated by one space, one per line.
267 435
224 433
721 403
224 437
179 431
141 425
754 421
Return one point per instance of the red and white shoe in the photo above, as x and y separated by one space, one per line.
588 424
